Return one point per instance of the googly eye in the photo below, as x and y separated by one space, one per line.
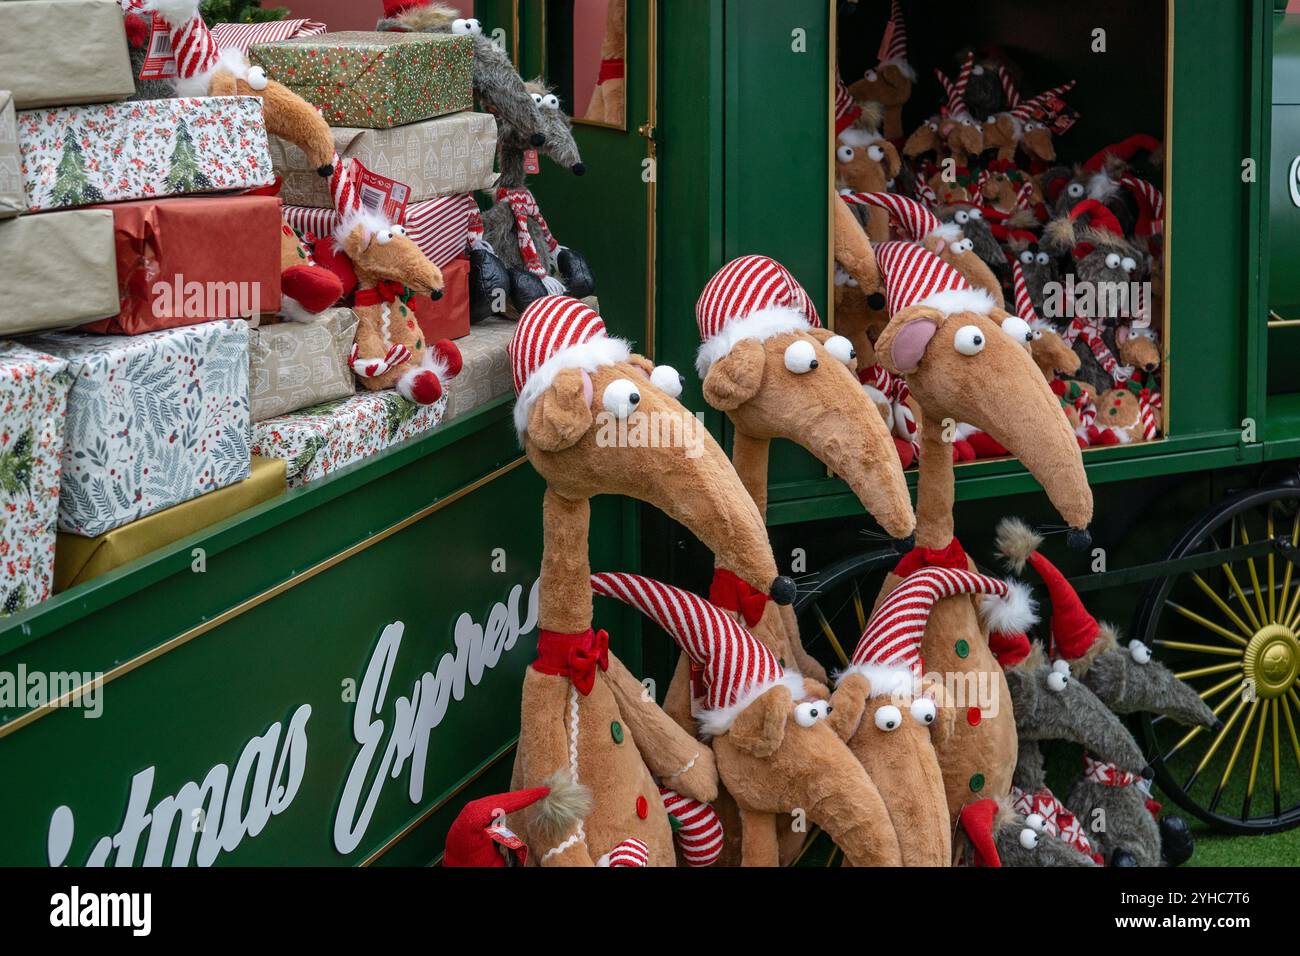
1036 822
1113 260
962 246
383 237
810 711
1029 839
551 102
1074 190
537 98
871 76
969 340
844 154
977 214
1038 334
889 718
398 230
460 27
934 127
257 78
1057 682
475 26
1128 263
1042 258
923 711
876 153
962 217
1062 666
800 357
841 348
621 398
1140 653
1017 328
1026 258
668 380
1030 126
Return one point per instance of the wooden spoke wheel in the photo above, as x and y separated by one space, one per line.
1230 627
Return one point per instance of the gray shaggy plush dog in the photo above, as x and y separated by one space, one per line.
1017 843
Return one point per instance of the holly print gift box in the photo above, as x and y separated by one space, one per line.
77 155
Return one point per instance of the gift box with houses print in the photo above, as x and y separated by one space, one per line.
33 407
319 440
77 155
153 420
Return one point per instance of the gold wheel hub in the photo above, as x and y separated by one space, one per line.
1272 660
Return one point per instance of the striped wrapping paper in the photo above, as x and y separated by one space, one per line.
242 35
440 227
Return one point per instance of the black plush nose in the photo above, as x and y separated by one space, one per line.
1078 538
1150 366
538 139
435 295
1123 858
325 171
579 169
783 590
904 545
876 301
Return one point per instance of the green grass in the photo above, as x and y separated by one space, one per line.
1222 849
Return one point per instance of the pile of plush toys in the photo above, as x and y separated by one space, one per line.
1074 249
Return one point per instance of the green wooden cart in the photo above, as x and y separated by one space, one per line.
343 671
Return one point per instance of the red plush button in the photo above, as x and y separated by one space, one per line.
642 808
974 716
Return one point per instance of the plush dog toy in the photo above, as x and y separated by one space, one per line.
890 81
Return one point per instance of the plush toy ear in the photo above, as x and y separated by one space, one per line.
562 414
1121 335
760 727
356 242
734 379
900 347
1006 126
892 163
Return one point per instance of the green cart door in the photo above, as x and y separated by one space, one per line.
1284 211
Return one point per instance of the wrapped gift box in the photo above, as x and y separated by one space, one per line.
181 261
447 317
324 438
153 420
78 155
54 52
78 560
440 227
33 407
243 35
439 157
13 196
295 364
375 80
485 374
59 270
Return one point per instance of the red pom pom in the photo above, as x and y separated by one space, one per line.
449 353
138 30
425 388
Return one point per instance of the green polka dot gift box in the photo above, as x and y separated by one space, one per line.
374 80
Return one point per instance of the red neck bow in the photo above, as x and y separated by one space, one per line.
732 594
950 557
575 656
386 291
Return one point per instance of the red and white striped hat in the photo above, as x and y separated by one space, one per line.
1024 110
847 110
752 297
914 275
555 333
737 668
889 652
195 49
916 222
1151 206
631 852
1024 304
893 45
699 831
956 92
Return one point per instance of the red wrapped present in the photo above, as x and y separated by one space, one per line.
448 317
182 261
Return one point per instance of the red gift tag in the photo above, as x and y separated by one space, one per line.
382 195
1056 115
159 61
532 165
503 836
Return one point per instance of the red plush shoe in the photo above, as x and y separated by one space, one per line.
986 446
906 453
447 351
312 287
420 386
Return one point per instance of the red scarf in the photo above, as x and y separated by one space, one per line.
732 594
575 656
524 206
1109 775
386 291
951 556
614 68
1057 820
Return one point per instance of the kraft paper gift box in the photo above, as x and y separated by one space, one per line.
57 270
439 157
485 374
153 420
440 227
375 80
144 149
55 52
78 560
317 441
33 407
292 365
186 260
13 196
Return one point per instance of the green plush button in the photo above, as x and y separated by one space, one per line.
976 782
674 823
616 731
781 661
963 648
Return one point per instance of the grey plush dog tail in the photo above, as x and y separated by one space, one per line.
1016 541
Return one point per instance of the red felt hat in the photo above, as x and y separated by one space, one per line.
393 8
1009 648
977 821
1125 149
1073 628
476 833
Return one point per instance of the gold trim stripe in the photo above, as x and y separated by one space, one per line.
258 599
